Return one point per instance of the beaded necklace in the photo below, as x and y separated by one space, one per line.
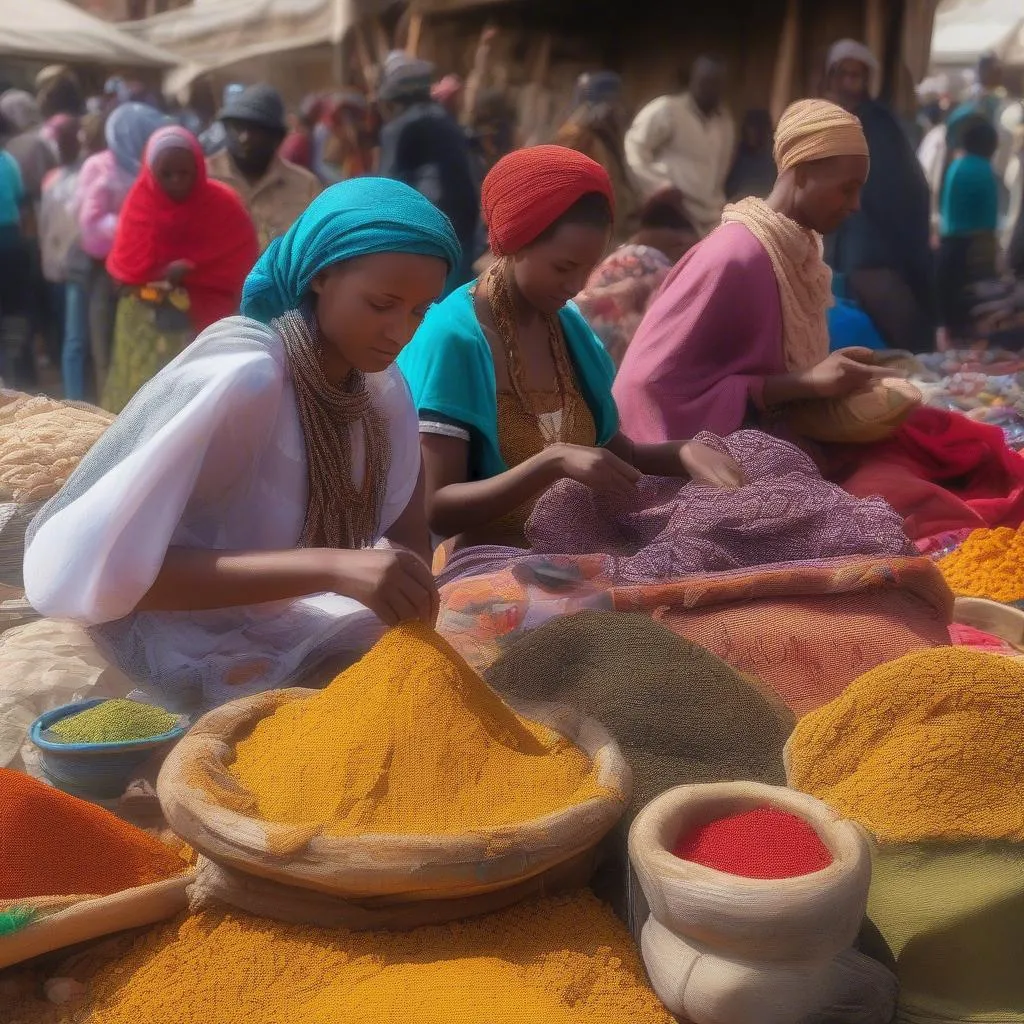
338 514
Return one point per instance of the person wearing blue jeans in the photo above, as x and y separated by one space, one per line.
75 353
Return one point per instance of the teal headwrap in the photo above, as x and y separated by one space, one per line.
354 218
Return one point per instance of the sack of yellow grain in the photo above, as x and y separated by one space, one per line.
406 779
861 418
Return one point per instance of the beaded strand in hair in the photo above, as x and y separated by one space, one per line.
338 513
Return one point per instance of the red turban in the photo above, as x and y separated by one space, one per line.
528 190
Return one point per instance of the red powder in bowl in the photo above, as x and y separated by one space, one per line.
763 843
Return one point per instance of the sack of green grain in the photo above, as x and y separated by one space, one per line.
406 779
756 895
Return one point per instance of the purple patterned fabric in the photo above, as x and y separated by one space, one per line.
786 512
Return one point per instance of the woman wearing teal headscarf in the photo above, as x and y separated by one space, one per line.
220 538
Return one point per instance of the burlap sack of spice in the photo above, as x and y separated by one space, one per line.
861 418
205 805
63 921
216 883
789 920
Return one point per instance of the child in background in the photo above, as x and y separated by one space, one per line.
968 246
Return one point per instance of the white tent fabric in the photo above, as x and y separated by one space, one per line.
52 30
965 29
220 33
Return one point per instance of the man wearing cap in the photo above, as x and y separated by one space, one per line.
882 254
274 191
422 145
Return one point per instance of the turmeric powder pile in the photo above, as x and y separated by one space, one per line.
990 563
408 741
563 960
927 747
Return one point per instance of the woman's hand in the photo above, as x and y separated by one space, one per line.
177 271
595 467
396 585
710 467
843 372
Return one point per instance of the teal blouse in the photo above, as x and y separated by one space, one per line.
450 371
970 198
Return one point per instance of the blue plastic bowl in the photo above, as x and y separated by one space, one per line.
95 771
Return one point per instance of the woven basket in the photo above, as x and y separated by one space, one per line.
67 920
790 920
991 617
861 418
376 865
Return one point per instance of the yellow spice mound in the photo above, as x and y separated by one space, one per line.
408 741
927 747
557 961
990 563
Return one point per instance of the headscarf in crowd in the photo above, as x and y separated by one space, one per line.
127 131
405 78
446 91
815 130
850 49
351 219
528 190
597 87
210 228
20 110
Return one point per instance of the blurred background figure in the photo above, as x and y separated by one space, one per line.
343 146
882 254
214 139
687 141
596 128
753 171
273 190
297 147
422 145
620 289
449 93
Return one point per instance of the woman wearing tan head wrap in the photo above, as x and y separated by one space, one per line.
738 331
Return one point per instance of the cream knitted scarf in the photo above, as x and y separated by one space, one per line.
805 281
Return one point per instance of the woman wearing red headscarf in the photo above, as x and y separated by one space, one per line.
512 386
183 248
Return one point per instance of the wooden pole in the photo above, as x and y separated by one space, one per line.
412 43
874 36
785 60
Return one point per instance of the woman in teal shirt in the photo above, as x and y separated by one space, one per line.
14 277
968 246
512 387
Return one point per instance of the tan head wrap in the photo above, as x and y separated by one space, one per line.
814 130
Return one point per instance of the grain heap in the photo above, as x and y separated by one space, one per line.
990 563
114 721
563 960
924 748
408 741
52 844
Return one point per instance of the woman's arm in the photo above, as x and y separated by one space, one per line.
396 585
410 529
679 458
456 504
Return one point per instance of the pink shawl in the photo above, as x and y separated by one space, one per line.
710 337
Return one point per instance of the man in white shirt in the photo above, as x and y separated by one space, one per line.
687 141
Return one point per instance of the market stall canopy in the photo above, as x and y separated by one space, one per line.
51 30
209 36
965 29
